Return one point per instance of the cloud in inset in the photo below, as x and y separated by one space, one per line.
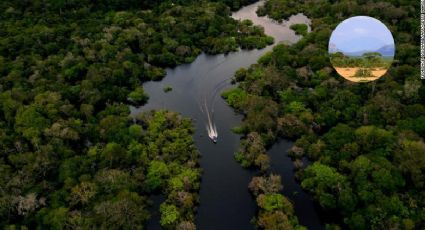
361 33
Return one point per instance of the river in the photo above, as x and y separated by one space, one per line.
225 202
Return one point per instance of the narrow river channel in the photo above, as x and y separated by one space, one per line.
225 202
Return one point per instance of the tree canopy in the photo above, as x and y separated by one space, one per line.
363 139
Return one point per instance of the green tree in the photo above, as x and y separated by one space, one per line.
157 173
138 96
169 214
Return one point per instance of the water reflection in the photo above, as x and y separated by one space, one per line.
225 202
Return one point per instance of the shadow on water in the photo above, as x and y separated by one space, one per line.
153 222
280 163
225 202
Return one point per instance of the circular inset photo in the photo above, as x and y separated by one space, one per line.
361 49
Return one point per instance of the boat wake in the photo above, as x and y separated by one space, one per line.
210 126
209 101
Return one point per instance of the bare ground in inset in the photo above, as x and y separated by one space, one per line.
350 72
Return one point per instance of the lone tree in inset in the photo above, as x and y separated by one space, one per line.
372 59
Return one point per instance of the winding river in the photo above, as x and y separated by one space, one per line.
225 202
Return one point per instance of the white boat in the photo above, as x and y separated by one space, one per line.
211 129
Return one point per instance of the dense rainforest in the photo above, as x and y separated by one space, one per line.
72 158
70 155
365 141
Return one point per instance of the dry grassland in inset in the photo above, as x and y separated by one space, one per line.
349 73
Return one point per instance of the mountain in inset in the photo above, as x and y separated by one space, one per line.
359 43
385 51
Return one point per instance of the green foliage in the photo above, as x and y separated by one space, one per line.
275 211
364 139
235 97
236 4
156 173
126 210
56 218
374 140
323 181
169 214
252 42
296 107
138 96
71 157
82 196
415 124
135 131
265 59
272 202
363 72
366 62
167 89
300 29
253 152
187 179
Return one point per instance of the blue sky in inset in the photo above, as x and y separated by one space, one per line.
360 33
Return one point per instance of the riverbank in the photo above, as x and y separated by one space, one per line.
225 202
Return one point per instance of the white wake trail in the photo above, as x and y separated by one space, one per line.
210 126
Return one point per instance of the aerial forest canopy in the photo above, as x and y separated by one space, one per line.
70 155
366 140
72 158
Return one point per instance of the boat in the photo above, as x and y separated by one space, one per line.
212 132
214 139
210 126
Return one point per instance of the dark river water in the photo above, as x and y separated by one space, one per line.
225 202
